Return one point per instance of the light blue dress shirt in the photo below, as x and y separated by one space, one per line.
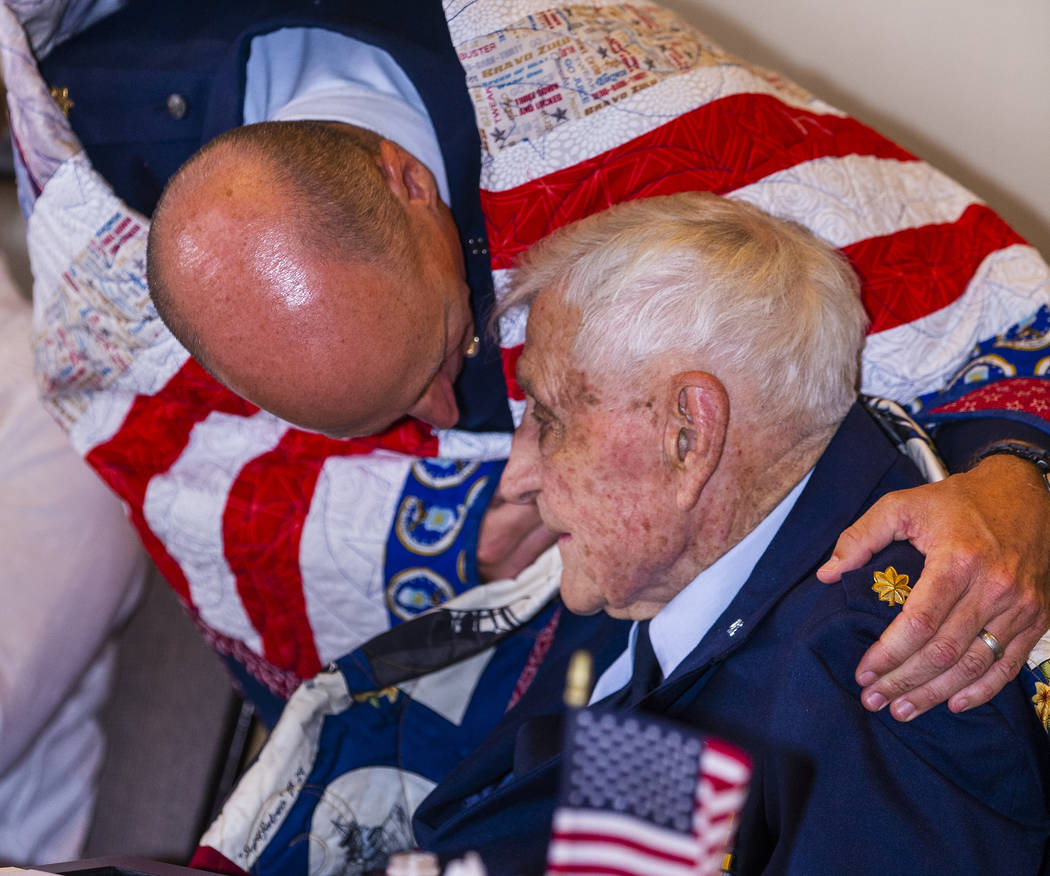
308 73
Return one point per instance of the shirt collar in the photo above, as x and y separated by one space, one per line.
685 620
313 74
680 625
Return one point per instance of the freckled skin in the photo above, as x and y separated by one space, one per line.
599 475
641 510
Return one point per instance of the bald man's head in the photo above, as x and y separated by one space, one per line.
313 269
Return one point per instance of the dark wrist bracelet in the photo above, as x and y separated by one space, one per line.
1033 453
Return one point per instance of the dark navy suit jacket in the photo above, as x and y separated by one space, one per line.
836 789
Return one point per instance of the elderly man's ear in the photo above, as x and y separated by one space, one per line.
695 432
407 177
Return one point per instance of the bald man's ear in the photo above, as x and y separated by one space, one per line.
695 432
407 177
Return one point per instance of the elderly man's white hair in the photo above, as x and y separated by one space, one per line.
696 273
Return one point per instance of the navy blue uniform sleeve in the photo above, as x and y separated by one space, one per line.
958 441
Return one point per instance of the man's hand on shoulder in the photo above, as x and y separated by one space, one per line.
985 534
512 537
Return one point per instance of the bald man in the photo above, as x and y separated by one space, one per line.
260 267
341 313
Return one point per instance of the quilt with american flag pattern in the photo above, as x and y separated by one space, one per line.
279 541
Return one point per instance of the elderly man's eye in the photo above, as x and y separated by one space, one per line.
543 420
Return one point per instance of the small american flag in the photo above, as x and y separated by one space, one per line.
642 797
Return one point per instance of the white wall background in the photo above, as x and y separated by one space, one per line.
964 84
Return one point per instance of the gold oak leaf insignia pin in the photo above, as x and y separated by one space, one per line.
891 586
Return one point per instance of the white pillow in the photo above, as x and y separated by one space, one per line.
70 569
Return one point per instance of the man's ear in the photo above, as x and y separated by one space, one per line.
695 432
406 176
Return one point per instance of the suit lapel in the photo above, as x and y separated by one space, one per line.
842 484
529 735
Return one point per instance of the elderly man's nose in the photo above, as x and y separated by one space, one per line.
520 481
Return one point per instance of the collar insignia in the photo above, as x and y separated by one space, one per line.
372 697
891 586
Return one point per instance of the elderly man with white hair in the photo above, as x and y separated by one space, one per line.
693 435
